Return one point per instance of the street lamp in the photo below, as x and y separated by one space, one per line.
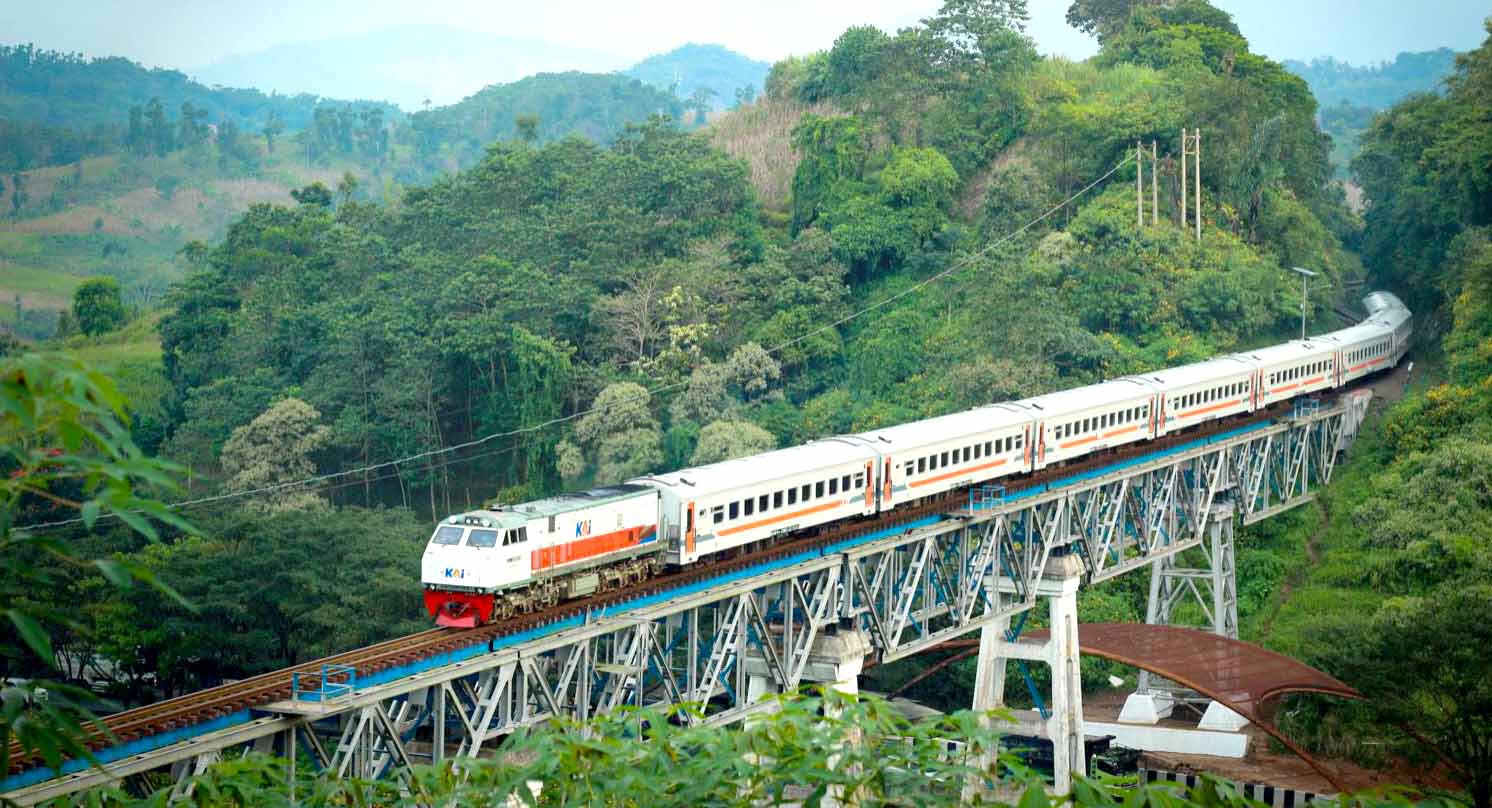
1305 278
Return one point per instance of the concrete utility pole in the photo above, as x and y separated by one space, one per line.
1154 186
1139 183
1197 155
1181 208
1305 278
1191 146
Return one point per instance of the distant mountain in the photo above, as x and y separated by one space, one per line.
1378 86
406 65
592 105
57 89
692 66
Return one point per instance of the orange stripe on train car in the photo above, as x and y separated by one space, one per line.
1362 365
775 519
1214 407
1002 461
589 547
1079 442
1121 431
1285 388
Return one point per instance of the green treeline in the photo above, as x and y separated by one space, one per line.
56 108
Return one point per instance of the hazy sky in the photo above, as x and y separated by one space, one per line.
192 33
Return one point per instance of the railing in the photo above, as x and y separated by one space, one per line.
330 682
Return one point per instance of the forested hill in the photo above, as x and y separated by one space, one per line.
1375 86
540 108
1349 96
705 75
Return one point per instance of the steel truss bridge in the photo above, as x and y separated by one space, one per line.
764 630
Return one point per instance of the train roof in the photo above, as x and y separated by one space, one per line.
572 501
1082 399
1197 372
947 427
742 471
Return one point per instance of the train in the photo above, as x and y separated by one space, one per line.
493 563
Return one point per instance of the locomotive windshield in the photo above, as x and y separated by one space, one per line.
482 538
447 534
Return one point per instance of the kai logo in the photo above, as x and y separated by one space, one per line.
583 528
453 572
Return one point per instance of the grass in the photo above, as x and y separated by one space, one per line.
761 134
107 217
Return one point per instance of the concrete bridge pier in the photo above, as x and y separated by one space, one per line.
1059 585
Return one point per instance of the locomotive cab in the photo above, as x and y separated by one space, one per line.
470 556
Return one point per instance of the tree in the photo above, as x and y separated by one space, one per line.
314 194
1104 18
701 101
527 127
746 95
274 449
97 306
66 451
974 32
726 440
17 193
272 129
1422 663
622 433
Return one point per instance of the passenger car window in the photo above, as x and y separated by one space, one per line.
447 534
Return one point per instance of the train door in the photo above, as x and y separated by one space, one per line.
689 530
886 482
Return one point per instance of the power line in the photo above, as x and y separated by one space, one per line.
957 265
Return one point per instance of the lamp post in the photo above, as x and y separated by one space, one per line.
1305 279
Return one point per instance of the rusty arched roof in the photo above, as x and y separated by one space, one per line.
1242 676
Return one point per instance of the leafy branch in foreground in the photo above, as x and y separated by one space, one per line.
65 451
810 750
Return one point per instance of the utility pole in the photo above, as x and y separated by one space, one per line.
1154 186
1181 208
1140 158
1191 146
1197 155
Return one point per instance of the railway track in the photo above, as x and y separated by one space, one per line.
206 705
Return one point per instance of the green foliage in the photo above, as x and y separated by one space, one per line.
65 451
340 580
1424 164
810 749
97 306
726 440
275 450
591 105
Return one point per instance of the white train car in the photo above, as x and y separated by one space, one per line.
1296 368
1088 419
1201 392
716 508
924 458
